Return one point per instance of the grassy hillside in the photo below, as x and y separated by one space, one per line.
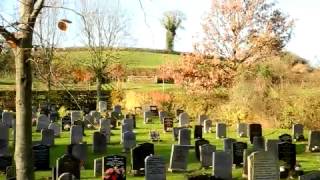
133 59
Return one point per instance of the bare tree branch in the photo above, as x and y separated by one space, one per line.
8 35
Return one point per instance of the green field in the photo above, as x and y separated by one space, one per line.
133 59
309 161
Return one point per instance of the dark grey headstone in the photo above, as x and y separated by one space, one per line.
221 130
254 130
184 120
68 164
155 168
297 132
287 154
138 155
272 146
206 151
56 129
222 165
198 143
76 134
129 140
263 166
314 141
7 119
67 176
285 138
184 137
175 133
238 149
41 157
162 115
80 151
5 161
42 122
75 116
47 137
227 144
207 125
178 158
242 129
99 143
197 132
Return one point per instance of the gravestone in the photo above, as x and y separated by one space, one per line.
184 137
221 130
258 143
80 151
246 153
4 139
114 163
198 143
99 143
11 173
178 112
175 133
242 129
67 176
7 119
287 154
138 155
129 140
207 125
162 115
105 126
202 118
129 122
313 175
47 137
254 130
76 134
80 123
285 138
238 149
167 124
5 161
66 123
197 132
155 168
97 167
314 141
222 165
184 120
227 144
68 164
117 108
75 116
262 166
96 116
206 151
147 115
42 122
102 106
133 118
56 129
178 158
41 157
272 146
154 110
126 127
297 132
88 120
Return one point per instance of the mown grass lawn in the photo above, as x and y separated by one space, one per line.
309 161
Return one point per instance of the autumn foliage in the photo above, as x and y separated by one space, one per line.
199 73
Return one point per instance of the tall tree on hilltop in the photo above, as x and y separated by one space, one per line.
244 31
171 21
19 36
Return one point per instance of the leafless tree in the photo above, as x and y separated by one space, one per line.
103 29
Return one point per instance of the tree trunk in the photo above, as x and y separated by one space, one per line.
99 85
23 152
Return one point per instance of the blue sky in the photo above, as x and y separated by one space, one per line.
146 31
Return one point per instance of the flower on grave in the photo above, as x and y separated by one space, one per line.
114 174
